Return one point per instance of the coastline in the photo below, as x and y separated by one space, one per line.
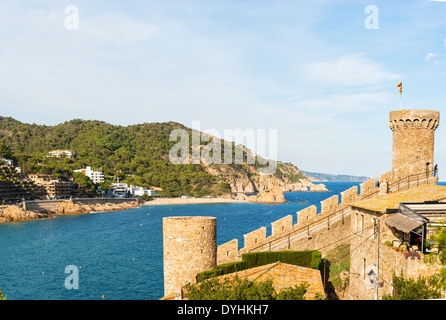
84 206
56 208
75 207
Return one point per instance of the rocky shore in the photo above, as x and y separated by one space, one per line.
70 207
17 213
270 195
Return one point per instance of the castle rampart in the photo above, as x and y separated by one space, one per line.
282 225
313 230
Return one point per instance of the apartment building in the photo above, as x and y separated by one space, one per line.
94 175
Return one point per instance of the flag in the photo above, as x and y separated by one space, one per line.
400 85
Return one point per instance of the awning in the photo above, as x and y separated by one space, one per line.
403 223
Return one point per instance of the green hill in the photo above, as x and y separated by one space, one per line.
136 154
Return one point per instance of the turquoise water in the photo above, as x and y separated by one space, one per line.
119 254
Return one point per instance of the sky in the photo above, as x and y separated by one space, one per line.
322 73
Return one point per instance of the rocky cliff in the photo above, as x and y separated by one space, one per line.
246 179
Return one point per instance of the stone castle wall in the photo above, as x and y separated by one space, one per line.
313 230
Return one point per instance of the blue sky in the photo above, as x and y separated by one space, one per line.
310 69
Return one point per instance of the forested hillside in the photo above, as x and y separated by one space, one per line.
136 154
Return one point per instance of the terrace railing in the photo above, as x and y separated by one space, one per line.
404 183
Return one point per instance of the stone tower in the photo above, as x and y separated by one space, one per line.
413 141
189 246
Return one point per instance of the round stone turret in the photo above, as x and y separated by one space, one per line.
413 141
190 247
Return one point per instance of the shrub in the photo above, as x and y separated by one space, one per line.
440 239
430 258
414 255
411 289
242 289
309 258
209 274
388 243
221 269
232 267
293 293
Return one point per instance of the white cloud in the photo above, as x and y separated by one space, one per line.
350 70
431 56
116 29
339 103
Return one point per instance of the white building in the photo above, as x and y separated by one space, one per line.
140 191
119 189
95 176
7 162
59 153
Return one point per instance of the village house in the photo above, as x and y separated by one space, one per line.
62 153
392 233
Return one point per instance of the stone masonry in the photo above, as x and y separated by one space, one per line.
189 247
413 141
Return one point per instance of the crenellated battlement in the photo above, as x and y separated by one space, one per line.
414 119
307 219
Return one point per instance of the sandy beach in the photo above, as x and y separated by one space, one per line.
167 201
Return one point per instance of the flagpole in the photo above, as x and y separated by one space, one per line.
400 85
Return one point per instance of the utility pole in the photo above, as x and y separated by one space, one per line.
377 256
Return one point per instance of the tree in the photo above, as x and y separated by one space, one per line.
411 289
84 183
5 152
440 238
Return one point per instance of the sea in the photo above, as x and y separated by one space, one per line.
118 255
